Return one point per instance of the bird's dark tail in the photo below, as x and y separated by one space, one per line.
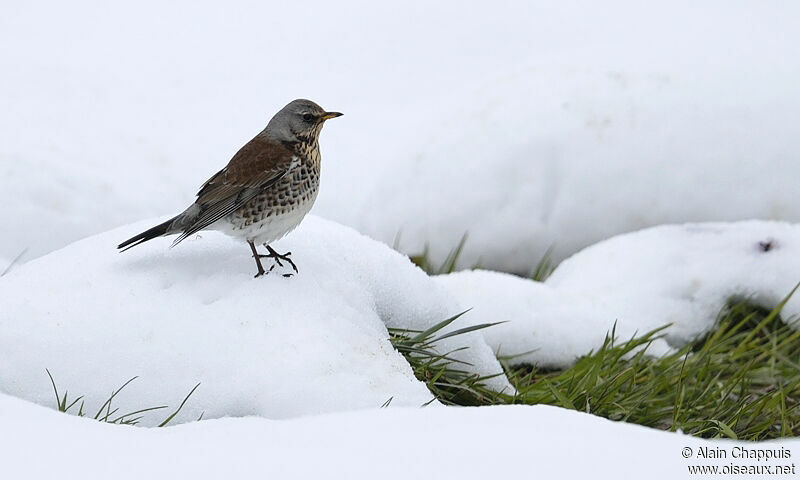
157 231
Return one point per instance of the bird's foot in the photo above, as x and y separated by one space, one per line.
277 257
261 271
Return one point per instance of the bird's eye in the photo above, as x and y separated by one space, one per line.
308 117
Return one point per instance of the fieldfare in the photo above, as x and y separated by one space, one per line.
265 190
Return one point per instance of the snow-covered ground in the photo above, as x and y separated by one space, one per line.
273 346
526 124
485 442
317 342
677 275
564 152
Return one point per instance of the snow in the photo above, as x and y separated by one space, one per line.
317 342
524 125
273 346
683 275
546 326
564 156
548 124
677 275
483 442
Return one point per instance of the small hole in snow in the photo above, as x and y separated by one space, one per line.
767 245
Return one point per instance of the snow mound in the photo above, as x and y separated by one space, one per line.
542 127
567 156
274 346
681 275
684 274
544 325
355 445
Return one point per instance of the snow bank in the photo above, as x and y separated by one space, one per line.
356 445
563 157
273 346
684 274
681 275
549 123
544 325
317 342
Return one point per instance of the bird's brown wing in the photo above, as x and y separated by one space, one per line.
256 167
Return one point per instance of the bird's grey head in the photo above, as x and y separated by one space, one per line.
299 121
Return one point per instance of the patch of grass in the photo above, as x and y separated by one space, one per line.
742 380
544 267
445 376
109 414
423 260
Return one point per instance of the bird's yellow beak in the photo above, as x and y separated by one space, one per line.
329 115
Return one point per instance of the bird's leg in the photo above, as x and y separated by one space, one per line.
257 256
278 257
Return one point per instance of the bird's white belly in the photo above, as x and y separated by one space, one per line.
269 229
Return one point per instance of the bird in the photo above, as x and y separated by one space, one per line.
264 191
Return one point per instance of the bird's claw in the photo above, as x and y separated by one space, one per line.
277 257
261 271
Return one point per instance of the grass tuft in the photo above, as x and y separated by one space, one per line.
109 414
423 260
445 376
741 381
544 267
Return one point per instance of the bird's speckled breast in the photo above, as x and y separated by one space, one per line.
282 206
